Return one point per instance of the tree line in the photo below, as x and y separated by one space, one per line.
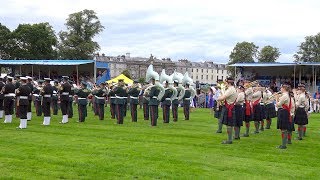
39 41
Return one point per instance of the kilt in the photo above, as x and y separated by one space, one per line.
283 120
270 111
217 114
257 112
263 111
225 119
239 112
247 118
301 117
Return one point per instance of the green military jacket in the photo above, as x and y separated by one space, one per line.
154 92
166 99
82 95
121 95
187 96
134 95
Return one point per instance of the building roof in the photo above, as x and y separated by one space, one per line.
261 64
46 62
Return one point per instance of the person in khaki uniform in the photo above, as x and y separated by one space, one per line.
284 104
228 109
256 108
239 110
270 109
248 108
302 106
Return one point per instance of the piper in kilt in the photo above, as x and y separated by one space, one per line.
239 110
218 106
248 108
270 109
256 108
228 110
301 116
284 104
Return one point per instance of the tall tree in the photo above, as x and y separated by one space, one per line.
77 42
34 41
5 35
269 54
309 50
243 52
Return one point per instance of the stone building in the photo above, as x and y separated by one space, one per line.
201 72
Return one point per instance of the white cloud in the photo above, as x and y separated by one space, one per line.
197 29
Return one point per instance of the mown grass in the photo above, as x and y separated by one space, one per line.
182 150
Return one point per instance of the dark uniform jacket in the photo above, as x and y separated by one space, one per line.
31 87
176 101
121 95
47 93
100 93
154 92
187 95
55 96
112 96
134 93
82 95
166 97
65 91
23 91
1 86
9 88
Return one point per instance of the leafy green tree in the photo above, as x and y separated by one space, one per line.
34 41
309 50
268 54
77 42
5 42
126 73
242 52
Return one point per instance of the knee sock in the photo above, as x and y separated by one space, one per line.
229 131
284 135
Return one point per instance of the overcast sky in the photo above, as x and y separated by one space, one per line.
195 30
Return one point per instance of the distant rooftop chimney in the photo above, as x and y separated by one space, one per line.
127 56
103 55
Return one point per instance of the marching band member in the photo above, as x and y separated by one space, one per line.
29 83
270 110
112 97
121 98
1 97
301 116
248 107
218 106
153 102
9 95
65 90
46 93
55 98
23 93
145 106
284 104
256 108
82 94
134 93
38 98
100 94
166 103
228 110
70 104
17 85
264 98
186 101
239 112
180 93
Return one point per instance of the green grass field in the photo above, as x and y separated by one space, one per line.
182 150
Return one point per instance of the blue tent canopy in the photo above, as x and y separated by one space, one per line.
46 62
102 65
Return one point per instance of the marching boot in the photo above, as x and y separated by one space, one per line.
262 125
247 130
219 126
289 137
1 114
284 139
304 130
46 121
268 124
7 119
229 131
29 114
256 125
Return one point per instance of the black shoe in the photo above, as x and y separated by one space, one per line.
256 132
219 131
237 138
245 135
261 129
282 147
226 142
267 127
298 138
289 142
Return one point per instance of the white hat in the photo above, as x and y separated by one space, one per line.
23 78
